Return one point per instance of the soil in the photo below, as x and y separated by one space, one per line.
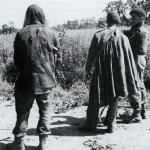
65 135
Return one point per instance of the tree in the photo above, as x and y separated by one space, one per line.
144 4
117 6
123 8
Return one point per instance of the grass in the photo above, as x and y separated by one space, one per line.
71 91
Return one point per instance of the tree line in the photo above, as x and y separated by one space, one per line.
123 8
8 29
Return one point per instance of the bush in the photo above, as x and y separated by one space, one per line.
64 100
74 46
70 73
7 69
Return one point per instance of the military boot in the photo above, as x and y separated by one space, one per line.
143 112
110 129
43 145
136 116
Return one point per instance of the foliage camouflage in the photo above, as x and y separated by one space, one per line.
70 74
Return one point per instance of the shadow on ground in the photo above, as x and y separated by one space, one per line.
68 126
73 131
3 146
31 147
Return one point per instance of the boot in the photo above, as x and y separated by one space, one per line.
136 116
43 142
110 129
105 123
16 146
143 112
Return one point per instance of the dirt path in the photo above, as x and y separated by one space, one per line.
65 135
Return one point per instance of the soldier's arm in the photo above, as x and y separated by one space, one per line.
91 54
142 43
17 48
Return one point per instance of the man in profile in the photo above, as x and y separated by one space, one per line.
138 37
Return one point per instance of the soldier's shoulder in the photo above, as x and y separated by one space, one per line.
100 31
24 30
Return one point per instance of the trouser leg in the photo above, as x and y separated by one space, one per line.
143 101
142 86
23 104
112 112
43 102
92 115
93 107
143 92
135 101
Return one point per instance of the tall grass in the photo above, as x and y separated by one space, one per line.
74 46
6 59
72 91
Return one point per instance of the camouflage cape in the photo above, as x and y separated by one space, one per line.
114 73
35 48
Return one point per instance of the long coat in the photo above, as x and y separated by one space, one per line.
114 73
35 59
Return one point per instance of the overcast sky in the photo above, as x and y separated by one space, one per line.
56 11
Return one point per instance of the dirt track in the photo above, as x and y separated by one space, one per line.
65 135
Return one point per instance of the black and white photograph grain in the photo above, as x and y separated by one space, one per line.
75 75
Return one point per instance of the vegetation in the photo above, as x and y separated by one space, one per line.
72 89
123 8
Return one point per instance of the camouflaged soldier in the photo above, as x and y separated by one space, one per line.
114 75
138 37
35 48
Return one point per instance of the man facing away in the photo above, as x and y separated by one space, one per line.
138 37
35 47
114 75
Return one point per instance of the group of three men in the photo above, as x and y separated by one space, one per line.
117 71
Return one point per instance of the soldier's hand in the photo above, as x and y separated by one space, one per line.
55 50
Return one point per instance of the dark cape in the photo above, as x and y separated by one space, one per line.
115 72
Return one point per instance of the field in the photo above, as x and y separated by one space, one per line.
72 90
69 99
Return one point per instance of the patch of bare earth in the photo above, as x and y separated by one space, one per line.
65 135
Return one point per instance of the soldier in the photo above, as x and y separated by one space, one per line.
34 49
138 37
114 73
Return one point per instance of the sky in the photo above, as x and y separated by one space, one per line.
56 11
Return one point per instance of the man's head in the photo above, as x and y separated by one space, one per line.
34 15
113 18
137 16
